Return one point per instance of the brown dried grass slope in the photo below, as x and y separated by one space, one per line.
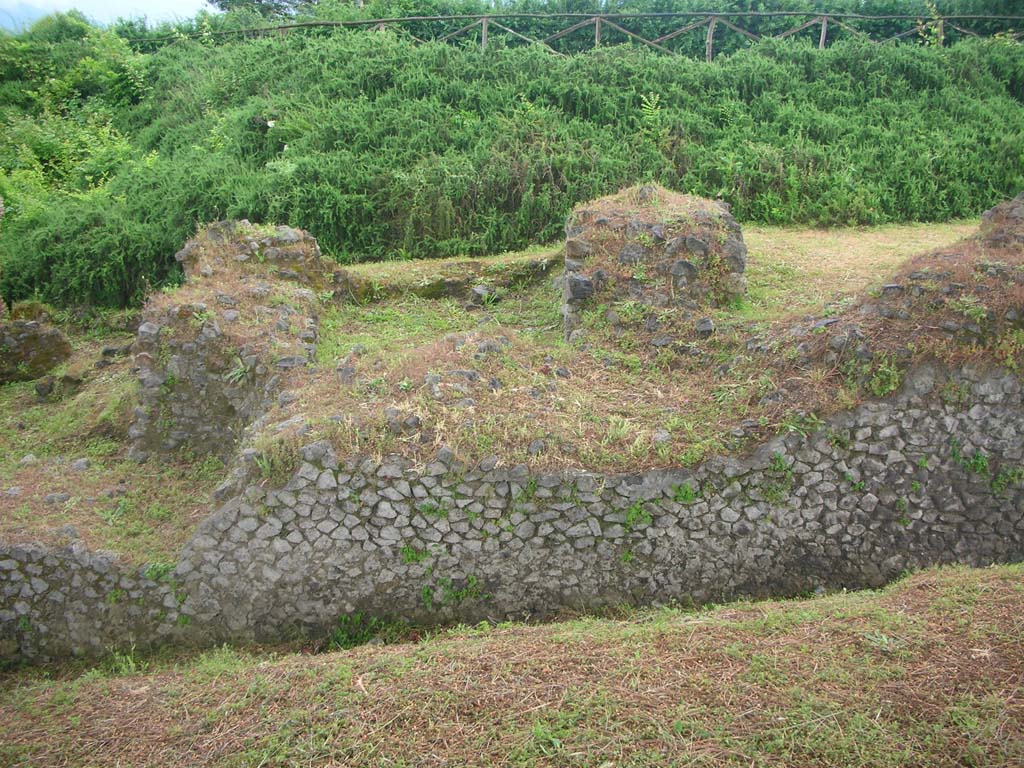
927 672
506 383
144 513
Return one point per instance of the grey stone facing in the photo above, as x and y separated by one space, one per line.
887 487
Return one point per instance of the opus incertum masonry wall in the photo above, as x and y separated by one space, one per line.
924 477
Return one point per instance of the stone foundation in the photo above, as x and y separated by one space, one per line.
933 475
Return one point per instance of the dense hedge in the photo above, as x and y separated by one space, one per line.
110 158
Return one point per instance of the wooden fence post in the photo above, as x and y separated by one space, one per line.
710 41
931 29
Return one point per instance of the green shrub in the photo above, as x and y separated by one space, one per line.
885 377
356 629
110 159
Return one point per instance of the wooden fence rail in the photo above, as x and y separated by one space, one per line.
612 27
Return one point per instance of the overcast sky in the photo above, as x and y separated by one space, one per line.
102 11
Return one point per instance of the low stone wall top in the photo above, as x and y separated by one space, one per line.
282 252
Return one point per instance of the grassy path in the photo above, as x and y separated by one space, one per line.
928 672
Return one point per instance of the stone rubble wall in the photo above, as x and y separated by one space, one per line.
931 475
651 247
29 349
69 601
211 366
201 391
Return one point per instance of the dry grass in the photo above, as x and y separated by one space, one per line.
649 201
616 404
926 673
802 270
145 513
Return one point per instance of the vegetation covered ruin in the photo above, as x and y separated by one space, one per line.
234 453
408 455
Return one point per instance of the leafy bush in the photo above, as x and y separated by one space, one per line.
885 377
110 159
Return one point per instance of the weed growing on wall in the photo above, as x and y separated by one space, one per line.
637 516
885 377
976 462
684 493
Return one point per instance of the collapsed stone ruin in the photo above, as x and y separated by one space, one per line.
648 245
212 356
932 473
29 349
1003 225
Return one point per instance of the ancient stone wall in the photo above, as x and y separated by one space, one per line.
647 246
211 356
934 474
57 602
